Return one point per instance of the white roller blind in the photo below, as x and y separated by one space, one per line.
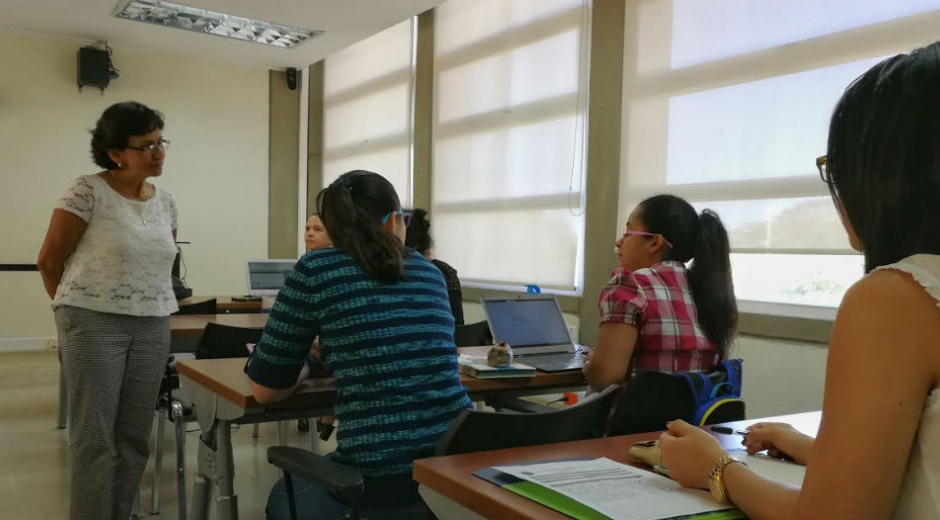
727 104
368 108
508 140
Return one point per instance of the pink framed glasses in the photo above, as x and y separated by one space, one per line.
647 234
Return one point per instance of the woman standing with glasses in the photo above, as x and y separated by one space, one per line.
877 452
106 264
656 313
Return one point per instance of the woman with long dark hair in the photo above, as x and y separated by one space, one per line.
656 313
877 452
418 237
386 333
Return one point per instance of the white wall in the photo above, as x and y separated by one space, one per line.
217 168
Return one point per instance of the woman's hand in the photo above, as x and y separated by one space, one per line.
780 440
689 454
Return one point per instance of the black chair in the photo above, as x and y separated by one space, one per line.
471 431
217 342
651 399
210 306
473 335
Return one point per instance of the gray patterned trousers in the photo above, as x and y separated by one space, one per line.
113 364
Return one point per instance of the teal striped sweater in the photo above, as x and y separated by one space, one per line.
389 346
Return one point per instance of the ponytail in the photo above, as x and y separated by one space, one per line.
711 283
703 241
352 209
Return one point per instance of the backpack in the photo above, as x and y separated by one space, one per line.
651 399
717 399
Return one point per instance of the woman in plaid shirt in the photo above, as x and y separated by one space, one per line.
656 313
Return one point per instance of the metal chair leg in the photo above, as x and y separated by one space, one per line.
135 509
282 433
180 427
254 432
314 434
157 464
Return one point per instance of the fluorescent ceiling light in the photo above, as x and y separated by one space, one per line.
168 14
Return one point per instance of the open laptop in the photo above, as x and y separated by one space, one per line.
535 329
265 277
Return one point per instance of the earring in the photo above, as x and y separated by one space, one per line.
120 166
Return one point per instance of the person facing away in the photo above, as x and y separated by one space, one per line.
418 237
384 322
657 314
877 452
106 264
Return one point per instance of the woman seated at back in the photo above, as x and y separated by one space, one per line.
386 333
877 452
419 238
657 314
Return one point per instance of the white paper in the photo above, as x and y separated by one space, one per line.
617 490
776 469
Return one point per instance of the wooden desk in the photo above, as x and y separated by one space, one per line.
224 304
222 395
190 325
453 477
226 377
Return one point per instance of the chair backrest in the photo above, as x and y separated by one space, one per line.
474 431
651 399
223 341
473 335
206 307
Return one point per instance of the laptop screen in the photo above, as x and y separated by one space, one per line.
527 322
265 277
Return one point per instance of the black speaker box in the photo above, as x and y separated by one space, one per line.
93 67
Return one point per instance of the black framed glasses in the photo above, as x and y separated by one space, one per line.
161 143
821 166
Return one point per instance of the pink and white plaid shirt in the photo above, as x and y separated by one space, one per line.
658 302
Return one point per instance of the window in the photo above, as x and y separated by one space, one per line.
368 91
727 104
508 140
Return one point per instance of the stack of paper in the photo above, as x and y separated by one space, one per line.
618 491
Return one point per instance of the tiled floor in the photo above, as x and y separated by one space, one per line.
34 476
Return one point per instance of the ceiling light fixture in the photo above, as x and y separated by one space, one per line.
168 14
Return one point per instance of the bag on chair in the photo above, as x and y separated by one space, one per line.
651 399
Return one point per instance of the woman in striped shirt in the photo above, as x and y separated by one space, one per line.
386 332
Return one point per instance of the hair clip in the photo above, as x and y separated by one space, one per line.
346 184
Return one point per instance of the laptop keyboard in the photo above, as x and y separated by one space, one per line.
558 361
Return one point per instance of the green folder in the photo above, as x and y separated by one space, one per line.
571 507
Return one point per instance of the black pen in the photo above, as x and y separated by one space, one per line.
728 431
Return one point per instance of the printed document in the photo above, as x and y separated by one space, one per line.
617 490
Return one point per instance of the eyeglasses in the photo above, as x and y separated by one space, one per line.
821 166
406 218
163 144
646 234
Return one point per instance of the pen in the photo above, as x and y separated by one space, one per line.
728 431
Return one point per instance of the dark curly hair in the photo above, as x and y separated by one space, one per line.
116 125
418 235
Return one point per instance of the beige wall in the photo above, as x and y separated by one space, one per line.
217 120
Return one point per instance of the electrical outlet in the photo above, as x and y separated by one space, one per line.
51 343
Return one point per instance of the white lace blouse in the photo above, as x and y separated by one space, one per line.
122 263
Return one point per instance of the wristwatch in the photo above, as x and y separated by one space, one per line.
716 484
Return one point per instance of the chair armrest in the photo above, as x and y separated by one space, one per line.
514 404
318 470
